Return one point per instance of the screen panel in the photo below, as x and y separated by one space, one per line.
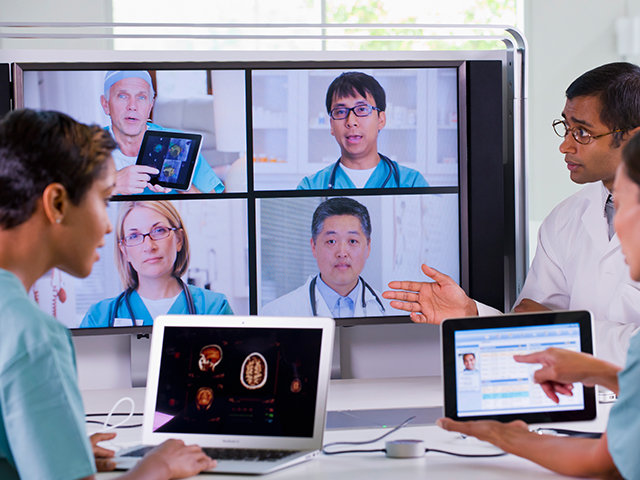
483 381
274 114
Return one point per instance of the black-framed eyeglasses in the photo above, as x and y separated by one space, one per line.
578 133
158 233
364 110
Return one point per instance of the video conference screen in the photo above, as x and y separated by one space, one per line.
316 185
238 381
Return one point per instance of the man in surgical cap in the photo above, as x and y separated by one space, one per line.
128 99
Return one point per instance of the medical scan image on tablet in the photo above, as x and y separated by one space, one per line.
174 154
490 383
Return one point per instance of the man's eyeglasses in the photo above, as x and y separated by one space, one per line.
364 110
578 133
158 233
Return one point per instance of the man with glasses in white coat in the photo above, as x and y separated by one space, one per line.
578 262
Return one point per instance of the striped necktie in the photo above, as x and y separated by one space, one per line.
609 212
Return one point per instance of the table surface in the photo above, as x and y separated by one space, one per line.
364 394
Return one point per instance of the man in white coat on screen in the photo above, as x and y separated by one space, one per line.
578 262
341 243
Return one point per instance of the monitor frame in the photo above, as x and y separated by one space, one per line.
467 67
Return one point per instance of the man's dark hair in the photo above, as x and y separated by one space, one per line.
347 84
40 148
617 85
631 158
340 206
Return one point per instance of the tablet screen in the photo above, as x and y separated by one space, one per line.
489 383
174 154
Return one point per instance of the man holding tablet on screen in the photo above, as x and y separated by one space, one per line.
356 105
341 243
128 99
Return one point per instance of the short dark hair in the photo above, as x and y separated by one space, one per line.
631 158
340 206
617 85
347 84
40 148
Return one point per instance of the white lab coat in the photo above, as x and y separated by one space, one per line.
577 267
298 304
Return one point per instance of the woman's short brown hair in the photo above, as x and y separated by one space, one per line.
40 148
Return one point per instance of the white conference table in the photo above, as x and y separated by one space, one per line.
363 394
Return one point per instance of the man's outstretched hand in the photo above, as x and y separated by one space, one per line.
431 302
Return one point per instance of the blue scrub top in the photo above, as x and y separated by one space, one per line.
42 424
205 301
623 429
408 178
204 178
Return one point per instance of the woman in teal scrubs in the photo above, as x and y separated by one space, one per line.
152 253
615 454
57 176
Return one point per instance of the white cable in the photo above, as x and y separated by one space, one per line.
106 427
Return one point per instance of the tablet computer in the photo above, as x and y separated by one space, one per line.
174 154
481 379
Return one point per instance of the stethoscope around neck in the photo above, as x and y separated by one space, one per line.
393 169
191 307
365 286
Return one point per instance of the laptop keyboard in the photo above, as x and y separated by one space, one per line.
236 454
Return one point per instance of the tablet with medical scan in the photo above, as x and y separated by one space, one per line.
174 154
481 379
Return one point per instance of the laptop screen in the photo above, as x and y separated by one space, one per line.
238 381
489 381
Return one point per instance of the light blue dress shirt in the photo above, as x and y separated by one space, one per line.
340 307
42 426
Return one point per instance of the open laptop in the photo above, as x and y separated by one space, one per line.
251 391
482 380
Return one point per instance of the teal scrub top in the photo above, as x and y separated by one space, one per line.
623 429
42 425
205 301
204 178
408 178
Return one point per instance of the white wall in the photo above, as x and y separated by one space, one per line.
56 11
566 38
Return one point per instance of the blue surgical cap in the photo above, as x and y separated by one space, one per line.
115 76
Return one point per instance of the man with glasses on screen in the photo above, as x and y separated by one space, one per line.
578 263
356 105
340 243
128 99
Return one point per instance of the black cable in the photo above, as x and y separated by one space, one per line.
425 451
113 414
111 426
576 433
354 451
480 455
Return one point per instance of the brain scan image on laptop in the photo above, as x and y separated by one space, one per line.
253 374
202 391
210 356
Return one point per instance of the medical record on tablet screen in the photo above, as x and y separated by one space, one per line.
482 379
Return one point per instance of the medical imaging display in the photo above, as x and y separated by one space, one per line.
173 154
249 381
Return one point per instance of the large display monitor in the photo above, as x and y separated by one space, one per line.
437 196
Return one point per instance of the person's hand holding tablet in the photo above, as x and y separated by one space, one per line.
134 179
